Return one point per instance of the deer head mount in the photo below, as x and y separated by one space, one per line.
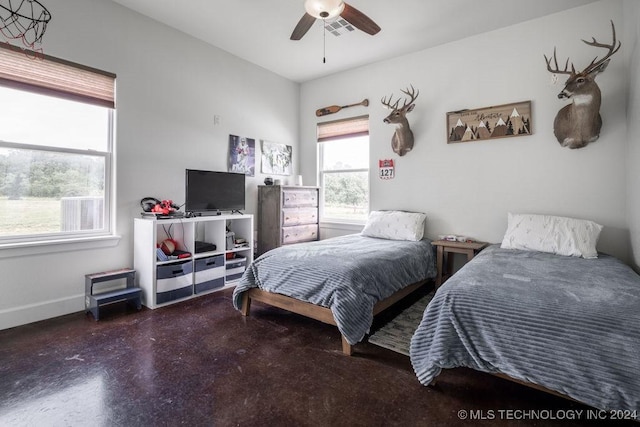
402 140
579 123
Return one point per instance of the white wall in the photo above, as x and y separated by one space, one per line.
632 37
468 188
169 87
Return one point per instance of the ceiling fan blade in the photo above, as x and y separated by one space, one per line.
359 20
303 26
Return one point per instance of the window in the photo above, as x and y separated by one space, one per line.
344 169
56 144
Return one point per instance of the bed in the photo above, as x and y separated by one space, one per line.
343 281
565 324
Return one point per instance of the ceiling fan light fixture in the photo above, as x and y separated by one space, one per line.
324 9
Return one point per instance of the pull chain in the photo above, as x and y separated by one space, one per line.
324 42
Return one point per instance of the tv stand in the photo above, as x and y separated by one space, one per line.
236 211
212 270
206 213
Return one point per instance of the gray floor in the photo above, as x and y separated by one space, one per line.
201 363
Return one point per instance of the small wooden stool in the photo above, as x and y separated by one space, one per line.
93 302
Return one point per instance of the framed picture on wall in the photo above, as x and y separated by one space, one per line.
276 158
242 155
499 121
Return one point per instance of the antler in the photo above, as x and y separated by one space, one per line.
611 47
388 103
557 69
413 94
594 64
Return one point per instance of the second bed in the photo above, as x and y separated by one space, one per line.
343 281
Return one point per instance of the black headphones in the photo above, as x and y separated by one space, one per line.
149 203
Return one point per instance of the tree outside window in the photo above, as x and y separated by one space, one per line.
344 178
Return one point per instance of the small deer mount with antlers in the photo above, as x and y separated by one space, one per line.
402 140
579 123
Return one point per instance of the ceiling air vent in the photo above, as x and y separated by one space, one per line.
339 27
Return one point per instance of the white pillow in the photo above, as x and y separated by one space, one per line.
395 225
553 234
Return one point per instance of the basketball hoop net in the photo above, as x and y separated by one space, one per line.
25 20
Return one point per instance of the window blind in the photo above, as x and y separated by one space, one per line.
55 77
336 129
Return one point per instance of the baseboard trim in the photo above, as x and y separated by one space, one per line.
23 315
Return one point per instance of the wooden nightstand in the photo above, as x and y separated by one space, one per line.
470 249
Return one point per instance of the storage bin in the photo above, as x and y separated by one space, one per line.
235 267
174 281
209 273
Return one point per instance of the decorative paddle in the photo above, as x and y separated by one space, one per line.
335 108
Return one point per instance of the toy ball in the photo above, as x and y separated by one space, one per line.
168 246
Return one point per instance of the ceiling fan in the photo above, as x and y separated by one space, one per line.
329 9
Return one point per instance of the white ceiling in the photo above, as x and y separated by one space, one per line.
258 30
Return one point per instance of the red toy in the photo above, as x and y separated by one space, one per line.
165 207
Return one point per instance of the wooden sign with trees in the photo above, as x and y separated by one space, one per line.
491 122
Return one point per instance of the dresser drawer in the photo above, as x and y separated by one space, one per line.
299 197
298 216
299 233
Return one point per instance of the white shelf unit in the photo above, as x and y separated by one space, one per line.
168 282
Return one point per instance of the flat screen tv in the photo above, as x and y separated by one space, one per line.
207 191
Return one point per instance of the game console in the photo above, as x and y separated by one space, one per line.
201 246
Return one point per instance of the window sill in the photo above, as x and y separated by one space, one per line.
10 250
355 227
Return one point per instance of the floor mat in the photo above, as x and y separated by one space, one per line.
396 334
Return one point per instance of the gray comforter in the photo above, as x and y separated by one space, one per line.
568 324
348 274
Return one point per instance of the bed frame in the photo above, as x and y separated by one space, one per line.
317 312
535 386
434 383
